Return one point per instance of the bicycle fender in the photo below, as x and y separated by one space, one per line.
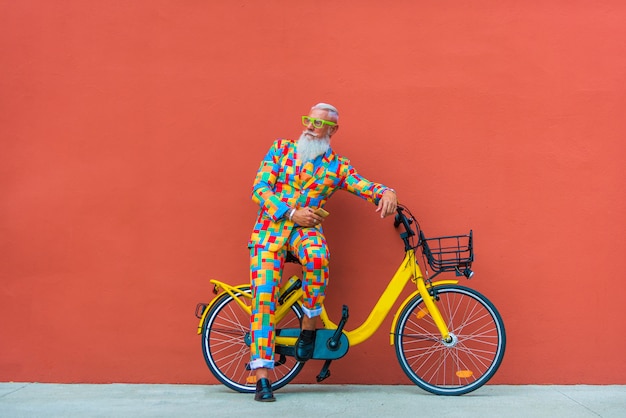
225 289
407 300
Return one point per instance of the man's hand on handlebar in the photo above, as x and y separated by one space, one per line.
387 204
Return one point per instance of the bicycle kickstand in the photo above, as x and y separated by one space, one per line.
325 372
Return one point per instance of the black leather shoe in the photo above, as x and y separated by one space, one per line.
263 391
305 346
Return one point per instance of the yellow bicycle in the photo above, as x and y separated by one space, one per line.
449 339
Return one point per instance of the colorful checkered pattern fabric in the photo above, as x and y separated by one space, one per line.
282 183
265 272
309 245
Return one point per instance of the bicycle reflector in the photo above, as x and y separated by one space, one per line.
464 374
421 313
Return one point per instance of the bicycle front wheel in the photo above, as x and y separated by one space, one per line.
466 362
226 345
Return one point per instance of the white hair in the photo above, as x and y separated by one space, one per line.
332 110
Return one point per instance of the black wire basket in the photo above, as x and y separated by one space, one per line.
450 253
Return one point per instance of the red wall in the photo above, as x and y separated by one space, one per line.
131 133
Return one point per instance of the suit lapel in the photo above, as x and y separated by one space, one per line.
320 172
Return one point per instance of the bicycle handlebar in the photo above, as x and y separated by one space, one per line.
402 219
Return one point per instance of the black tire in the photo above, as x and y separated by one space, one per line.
226 346
458 367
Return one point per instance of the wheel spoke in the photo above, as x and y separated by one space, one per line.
225 345
459 366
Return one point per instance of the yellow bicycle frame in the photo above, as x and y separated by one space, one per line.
408 270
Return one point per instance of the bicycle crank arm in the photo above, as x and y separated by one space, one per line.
334 341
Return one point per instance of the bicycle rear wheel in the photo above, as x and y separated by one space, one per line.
469 360
226 346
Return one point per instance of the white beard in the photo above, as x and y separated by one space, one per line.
309 147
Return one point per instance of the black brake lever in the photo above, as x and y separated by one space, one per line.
397 220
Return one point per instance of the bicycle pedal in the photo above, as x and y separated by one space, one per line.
282 359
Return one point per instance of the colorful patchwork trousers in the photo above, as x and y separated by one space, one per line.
266 267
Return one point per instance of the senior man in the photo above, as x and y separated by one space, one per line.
294 180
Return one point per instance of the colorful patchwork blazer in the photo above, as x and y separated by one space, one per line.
283 183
